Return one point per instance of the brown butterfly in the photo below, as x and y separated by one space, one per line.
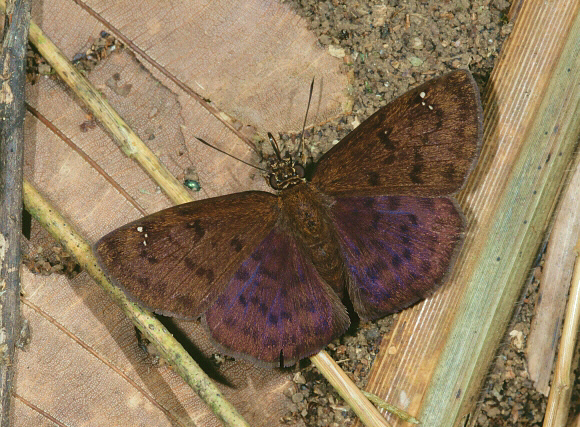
267 272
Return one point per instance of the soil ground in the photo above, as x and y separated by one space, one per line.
388 47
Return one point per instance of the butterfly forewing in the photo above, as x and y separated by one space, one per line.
421 144
177 261
276 309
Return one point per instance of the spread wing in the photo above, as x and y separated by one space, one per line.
422 144
397 249
276 309
177 261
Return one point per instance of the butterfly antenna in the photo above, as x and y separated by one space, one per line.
301 153
228 154
275 146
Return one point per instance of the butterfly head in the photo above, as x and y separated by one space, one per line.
284 172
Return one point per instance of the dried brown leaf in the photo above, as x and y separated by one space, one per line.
254 61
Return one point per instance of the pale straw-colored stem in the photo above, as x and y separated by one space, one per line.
348 390
561 389
151 328
123 135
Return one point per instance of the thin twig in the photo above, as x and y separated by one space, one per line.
121 132
351 394
398 412
153 330
12 110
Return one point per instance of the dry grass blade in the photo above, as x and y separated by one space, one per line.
127 139
561 389
554 288
367 413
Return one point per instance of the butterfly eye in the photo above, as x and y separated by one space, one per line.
274 182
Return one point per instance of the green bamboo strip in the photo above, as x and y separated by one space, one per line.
151 328
510 242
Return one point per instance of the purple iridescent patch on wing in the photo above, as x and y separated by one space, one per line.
396 248
276 309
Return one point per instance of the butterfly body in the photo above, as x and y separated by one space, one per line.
267 272
316 236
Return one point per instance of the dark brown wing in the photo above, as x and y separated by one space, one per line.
276 308
177 261
421 144
397 249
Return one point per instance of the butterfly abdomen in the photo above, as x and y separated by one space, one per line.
305 214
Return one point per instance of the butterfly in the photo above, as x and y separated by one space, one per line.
268 273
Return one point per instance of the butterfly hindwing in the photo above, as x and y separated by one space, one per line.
276 308
422 144
397 249
178 260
